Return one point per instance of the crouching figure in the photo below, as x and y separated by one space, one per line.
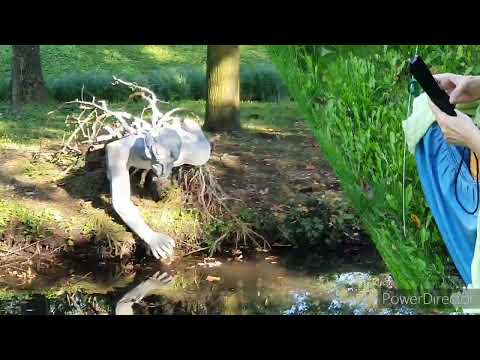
160 150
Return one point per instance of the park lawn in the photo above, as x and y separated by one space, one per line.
36 125
58 60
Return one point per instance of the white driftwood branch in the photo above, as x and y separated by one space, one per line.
146 94
91 121
119 115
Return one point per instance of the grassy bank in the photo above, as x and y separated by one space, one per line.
81 206
273 167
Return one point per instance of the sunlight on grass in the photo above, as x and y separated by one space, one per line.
168 216
34 126
167 54
58 60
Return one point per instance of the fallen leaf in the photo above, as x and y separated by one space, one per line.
213 278
416 221
310 167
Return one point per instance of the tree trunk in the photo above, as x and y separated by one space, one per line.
27 82
223 88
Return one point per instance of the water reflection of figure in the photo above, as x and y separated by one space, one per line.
157 281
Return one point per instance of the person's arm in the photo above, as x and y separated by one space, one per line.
474 141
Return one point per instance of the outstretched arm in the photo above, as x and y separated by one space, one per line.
156 282
117 171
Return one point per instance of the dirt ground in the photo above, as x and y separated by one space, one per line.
264 169
267 170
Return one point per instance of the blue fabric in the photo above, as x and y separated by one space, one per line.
437 164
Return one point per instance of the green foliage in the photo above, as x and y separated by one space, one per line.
173 72
261 82
354 99
58 60
4 89
258 82
33 124
34 224
312 224
315 223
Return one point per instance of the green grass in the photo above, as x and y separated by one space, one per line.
174 72
58 60
36 225
34 125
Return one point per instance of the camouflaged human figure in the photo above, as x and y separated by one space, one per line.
160 150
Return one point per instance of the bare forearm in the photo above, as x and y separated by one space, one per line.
473 140
474 87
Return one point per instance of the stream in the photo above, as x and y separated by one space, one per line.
285 283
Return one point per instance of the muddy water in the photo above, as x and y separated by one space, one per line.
291 283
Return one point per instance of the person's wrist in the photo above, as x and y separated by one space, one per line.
473 139
475 86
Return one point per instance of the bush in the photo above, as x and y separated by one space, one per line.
258 82
261 82
354 99
4 89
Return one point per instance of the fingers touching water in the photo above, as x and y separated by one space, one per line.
161 246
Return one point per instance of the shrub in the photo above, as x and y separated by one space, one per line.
259 82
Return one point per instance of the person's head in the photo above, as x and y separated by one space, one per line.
163 148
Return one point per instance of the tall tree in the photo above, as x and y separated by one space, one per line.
223 88
27 82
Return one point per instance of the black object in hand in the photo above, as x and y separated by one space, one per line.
439 97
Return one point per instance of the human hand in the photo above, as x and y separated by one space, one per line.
457 130
158 280
461 88
160 245
155 282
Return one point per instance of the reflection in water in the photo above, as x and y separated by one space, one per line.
262 285
155 283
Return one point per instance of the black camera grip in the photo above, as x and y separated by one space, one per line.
439 97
